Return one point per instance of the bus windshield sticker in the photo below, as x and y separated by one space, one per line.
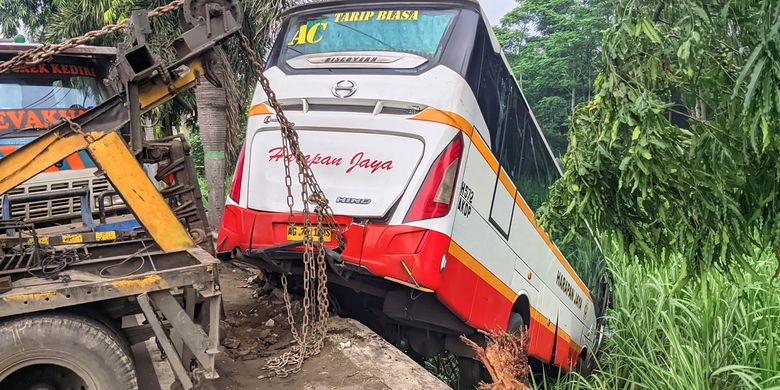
418 32
364 16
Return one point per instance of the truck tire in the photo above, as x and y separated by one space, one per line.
62 351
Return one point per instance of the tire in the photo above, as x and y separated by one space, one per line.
515 323
471 373
585 366
63 351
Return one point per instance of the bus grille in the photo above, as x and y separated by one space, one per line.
59 209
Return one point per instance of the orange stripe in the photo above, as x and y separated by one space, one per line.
448 118
454 120
259 109
568 339
475 266
507 182
484 150
549 325
74 160
542 320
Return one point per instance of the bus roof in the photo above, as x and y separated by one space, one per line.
79 51
335 3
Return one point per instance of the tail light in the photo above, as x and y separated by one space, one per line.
235 188
435 196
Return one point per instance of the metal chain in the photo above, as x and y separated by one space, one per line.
314 321
44 53
76 128
311 337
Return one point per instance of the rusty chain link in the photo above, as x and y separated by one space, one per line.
76 128
314 321
45 52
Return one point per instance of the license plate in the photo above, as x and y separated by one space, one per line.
295 233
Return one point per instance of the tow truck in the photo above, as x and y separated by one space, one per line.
75 297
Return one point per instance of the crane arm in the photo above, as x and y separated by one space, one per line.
142 84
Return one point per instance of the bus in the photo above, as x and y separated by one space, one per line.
434 166
31 99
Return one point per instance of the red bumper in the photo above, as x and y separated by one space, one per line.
379 248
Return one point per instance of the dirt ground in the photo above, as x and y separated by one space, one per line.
256 329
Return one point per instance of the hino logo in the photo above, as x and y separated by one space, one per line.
360 201
344 89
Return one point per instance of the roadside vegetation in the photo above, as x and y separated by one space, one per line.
671 329
672 158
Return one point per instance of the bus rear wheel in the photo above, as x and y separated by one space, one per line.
61 351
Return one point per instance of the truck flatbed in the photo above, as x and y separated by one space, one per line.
109 273
123 280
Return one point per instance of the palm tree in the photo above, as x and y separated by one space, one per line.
220 108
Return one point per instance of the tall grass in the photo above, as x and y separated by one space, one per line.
672 330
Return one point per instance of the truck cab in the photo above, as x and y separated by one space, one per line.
31 99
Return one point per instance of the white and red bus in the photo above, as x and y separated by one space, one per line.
434 165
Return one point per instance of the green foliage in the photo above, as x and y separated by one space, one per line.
34 13
445 367
672 331
196 151
553 48
678 150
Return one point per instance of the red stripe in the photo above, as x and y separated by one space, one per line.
380 248
74 160
542 338
6 149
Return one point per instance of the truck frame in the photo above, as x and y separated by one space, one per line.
75 297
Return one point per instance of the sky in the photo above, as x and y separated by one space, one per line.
496 9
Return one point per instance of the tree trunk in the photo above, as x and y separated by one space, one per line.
573 98
212 108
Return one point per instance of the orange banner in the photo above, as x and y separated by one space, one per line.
38 118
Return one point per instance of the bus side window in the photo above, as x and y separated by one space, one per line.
485 76
537 167
489 98
512 144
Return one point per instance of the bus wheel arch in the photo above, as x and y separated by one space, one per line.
521 308
585 363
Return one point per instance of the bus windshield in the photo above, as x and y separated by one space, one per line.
36 97
390 37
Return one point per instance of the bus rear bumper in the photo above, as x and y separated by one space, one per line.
403 254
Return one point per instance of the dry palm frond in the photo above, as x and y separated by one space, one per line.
506 359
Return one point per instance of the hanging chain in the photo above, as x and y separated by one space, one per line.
311 337
44 53
314 322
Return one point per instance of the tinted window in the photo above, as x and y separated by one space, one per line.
38 96
488 97
537 168
524 155
364 34
512 143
